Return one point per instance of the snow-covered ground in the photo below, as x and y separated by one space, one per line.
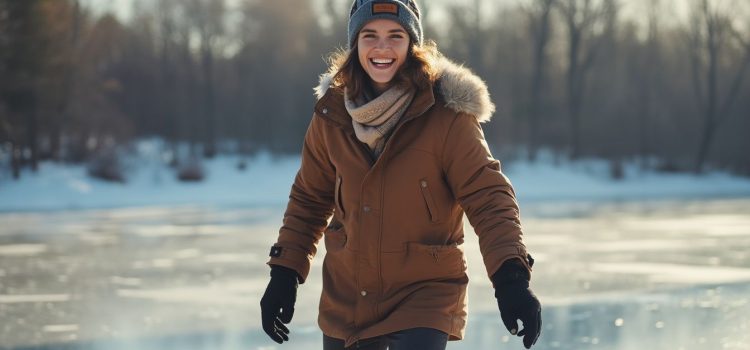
267 180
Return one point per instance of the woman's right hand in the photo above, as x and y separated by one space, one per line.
516 301
277 304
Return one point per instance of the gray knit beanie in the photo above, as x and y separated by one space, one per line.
405 12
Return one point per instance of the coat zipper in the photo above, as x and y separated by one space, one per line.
373 162
380 236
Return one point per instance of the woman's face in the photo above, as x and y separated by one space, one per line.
382 47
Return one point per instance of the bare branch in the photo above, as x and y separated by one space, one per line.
695 47
737 81
738 36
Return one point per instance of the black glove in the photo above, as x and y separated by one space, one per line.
277 304
516 301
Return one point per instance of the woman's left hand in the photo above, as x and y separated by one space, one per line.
517 302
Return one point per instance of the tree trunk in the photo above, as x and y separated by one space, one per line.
644 116
573 98
209 150
15 160
704 146
540 57
712 45
575 124
32 133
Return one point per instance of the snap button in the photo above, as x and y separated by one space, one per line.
325 110
423 183
275 252
366 209
363 293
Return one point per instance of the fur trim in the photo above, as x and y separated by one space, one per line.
462 90
324 83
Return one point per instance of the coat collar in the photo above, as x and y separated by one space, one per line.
459 88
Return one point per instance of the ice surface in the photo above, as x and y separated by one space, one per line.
656 274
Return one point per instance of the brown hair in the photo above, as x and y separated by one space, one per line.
418 70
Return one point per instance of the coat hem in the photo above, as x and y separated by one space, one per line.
453 325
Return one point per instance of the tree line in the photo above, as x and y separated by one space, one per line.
577 78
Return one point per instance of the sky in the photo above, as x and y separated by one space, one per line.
674 13
630 8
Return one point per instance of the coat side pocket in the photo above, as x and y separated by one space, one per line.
429 200
334 238
337 198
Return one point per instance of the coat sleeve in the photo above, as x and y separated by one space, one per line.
310 205
484 192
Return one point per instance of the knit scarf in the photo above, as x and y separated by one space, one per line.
374 118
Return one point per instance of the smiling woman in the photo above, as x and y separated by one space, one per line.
393 156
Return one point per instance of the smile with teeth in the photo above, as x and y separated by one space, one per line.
382 62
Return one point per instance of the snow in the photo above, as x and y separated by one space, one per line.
267 181
589 180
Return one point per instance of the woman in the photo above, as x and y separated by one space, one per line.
396 154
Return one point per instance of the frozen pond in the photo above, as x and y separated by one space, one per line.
627 275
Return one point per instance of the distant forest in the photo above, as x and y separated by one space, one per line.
575 78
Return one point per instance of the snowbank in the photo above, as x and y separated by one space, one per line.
267 181
590 180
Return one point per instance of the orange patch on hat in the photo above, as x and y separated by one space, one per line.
381 7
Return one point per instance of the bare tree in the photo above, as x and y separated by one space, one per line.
710 37
465 34
589 23
166 15
539 29
207 17
288 44
645 72
69 49
476 44
652 68
69 80
23 65
337 12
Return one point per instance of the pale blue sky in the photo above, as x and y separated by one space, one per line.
123 8
636 9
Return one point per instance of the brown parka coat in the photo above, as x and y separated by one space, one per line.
394 256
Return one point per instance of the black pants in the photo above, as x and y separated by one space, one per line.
413 338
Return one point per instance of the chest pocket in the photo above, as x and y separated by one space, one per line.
429 200
337 198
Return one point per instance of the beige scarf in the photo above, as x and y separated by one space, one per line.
374 118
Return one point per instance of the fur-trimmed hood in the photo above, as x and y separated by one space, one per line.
462 90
